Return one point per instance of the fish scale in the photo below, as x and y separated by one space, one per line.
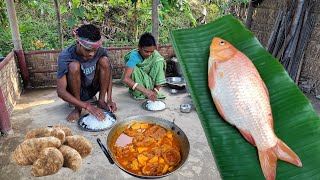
250 119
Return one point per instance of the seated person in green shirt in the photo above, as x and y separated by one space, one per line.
145 70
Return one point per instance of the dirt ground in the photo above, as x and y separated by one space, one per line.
42 108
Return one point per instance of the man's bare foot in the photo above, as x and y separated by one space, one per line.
73 116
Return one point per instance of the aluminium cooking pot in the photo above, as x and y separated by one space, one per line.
176 131
176 83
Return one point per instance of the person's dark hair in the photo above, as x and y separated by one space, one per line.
89 31
147 39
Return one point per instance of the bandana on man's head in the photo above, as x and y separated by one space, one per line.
87 43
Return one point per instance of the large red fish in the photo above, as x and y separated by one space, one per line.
242 99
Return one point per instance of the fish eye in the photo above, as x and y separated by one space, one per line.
222 43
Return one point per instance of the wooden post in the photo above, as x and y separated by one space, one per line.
5 124
249 15
155 21
17 41
56 5
14 25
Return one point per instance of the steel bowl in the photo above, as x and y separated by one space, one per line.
173 91
185 108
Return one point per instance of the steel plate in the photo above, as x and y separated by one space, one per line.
83 126
144 106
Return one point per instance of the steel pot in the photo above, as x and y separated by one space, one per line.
122 125
176 82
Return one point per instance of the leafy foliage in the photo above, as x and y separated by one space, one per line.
42 30
3 15
5 33
120 21
6 42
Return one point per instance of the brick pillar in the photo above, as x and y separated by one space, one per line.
5 124
23 67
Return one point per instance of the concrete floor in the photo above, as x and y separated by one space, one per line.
42 108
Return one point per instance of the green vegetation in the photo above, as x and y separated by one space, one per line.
121 21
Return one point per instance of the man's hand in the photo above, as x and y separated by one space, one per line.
97 112
108 106
111 106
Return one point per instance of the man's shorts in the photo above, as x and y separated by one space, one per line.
87 93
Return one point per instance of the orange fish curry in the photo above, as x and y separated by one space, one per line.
147 149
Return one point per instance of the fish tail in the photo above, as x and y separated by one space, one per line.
268 158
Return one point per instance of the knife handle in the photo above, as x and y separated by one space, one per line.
105 151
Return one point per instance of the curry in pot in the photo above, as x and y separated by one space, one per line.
147 149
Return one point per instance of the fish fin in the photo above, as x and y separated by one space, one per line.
268 163
268 158
286 154
211 80
247 136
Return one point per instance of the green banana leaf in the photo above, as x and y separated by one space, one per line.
296 122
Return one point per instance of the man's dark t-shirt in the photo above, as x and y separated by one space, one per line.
88 68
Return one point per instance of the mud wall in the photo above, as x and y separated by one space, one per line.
10 82
42 65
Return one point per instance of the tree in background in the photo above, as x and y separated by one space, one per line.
121 21
5 34
56 5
